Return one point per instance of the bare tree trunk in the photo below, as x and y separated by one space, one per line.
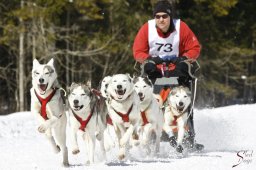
21 64
67 47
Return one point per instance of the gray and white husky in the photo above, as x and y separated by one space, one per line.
87 119
151 112
48 107
176 113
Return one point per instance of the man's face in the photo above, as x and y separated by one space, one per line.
162 21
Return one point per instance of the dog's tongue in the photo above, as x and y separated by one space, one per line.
43 87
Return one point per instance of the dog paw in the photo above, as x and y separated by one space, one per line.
179 149
75 151
65 164
42 128
87 163
56 149
121 157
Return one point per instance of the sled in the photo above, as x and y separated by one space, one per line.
163 86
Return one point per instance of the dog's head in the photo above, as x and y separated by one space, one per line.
143 87
104 85
120 86
180 98
79 96
44 76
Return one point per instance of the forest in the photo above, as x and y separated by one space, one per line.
90 39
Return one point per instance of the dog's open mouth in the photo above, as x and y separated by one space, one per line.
180 108
77 107
120 93
142 98
43 87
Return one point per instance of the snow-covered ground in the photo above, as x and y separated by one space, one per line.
228 133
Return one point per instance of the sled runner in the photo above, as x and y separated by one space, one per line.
164 86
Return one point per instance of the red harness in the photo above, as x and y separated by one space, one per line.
83 123
44 102
144 118
125 117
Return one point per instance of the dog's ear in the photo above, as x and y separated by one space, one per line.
135 75
89 83
35 63
50 63
173 91
130 78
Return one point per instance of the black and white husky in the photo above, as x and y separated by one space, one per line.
87 119
151 113
48 107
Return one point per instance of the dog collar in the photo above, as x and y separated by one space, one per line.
43 102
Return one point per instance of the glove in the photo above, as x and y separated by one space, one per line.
156 60
179 60
169 58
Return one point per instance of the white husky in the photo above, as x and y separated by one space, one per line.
109 138
47 105
151 113
123 109
176 113
86 119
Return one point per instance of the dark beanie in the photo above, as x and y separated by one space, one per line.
163 6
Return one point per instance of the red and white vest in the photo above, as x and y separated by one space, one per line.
159 46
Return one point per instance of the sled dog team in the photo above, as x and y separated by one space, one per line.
123 103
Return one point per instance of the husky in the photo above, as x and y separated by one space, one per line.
109 138
48 107
151 112
176 115
104 85
86 119
123 109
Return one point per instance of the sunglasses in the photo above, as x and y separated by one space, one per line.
164 16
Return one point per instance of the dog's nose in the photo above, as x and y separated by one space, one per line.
41 80
181 103
140 94
76 101
119 86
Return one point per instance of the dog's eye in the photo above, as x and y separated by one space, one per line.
145 86
185 96
124 80
177 95
36 73
114 81
83 94
73 94
136 86
47 73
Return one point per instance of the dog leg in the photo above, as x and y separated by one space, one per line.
73 140
56 148
147 130
181 133
60 136
90 146
47 124
102 147
158 138
108 140
126 135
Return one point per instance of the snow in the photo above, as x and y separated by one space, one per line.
226 133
